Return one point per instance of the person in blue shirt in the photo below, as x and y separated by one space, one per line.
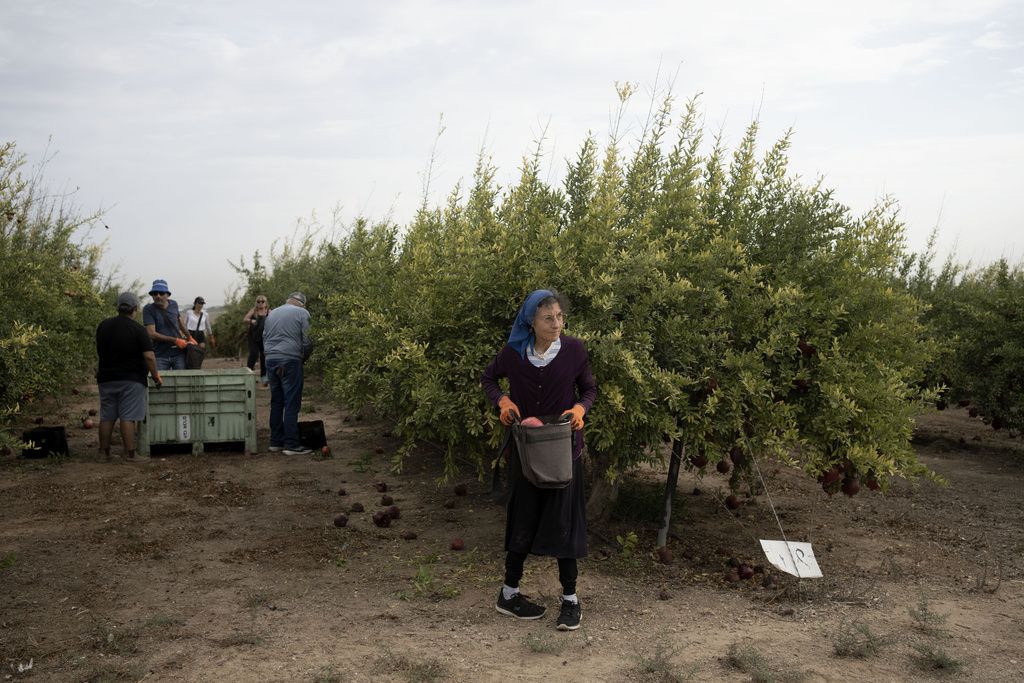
287 345
165 328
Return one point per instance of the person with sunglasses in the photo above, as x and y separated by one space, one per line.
255 320
163 322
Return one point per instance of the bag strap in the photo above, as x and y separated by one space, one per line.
167 317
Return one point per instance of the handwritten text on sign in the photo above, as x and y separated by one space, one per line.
793 558
184 427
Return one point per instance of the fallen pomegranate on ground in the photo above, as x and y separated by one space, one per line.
87 424
723 466
664 555
386 500
733 502
381 518
92 412
341 520
356 507
851 486
381 487
393 512
457 544
461 489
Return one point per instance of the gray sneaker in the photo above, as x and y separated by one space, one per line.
519 607
275 449
297 450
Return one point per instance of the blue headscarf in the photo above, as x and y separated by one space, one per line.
522 334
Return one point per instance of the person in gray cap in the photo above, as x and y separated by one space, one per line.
125 355
287 345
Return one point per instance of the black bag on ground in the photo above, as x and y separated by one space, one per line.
194 355
546 452
47 441
312 435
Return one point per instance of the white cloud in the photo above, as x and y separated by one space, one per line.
994 40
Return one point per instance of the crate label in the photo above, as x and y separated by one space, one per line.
793 558
184 428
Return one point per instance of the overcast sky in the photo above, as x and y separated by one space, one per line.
207 129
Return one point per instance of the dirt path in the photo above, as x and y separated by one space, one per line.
228 567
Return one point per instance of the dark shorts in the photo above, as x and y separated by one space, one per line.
122 399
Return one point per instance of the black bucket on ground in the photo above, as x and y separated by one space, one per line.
47 441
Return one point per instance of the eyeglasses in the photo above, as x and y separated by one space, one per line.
261 301
159 293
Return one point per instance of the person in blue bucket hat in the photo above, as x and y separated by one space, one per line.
548 374
163 322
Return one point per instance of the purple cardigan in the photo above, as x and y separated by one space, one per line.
550 390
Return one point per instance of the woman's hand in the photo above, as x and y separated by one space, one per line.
575 417
509 410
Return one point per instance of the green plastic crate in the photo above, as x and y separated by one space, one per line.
202 408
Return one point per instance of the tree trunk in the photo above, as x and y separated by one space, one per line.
678 450
602 493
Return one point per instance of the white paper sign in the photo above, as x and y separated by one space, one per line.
793 558
184 427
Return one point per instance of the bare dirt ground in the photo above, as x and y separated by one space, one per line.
228 567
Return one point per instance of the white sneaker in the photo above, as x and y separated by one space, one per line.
299 450
275 449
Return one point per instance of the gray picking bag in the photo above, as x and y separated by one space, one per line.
545 452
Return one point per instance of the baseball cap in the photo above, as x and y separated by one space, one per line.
298 296
126 301
199 300
159 286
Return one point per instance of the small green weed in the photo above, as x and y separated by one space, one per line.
544 643
413 670
162 621
426 584
658 667
364 463
8 561
926 620
751 662
933 659
627 545
856 640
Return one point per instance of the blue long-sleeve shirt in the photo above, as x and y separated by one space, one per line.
286 333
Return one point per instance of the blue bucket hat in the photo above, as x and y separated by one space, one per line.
159 286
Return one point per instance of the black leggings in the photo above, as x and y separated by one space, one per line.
567 571
256 353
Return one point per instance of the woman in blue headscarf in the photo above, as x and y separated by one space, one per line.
548 374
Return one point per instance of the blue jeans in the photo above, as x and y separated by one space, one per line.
285 378
175 361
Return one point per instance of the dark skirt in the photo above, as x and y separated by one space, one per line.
545 521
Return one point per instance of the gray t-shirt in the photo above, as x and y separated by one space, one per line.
286 333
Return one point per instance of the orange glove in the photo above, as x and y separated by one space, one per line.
508 408
180 343
576 417
191 340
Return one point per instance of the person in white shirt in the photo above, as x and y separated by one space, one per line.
197 322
